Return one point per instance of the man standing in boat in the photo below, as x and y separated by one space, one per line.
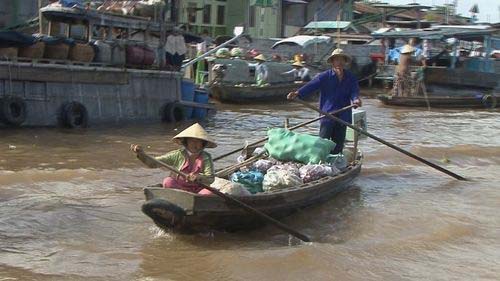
338 88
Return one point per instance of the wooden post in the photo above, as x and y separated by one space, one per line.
40 22
287 123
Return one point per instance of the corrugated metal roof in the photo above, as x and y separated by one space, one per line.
437 34
328 24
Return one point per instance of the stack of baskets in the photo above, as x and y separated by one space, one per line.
8 52
81 52
34 51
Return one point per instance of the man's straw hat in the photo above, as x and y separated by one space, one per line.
260 57
297 63
195 131
339 53
407 49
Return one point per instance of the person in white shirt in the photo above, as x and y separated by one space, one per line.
175 48
261 71
299 71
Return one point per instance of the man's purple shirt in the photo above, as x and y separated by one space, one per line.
335 94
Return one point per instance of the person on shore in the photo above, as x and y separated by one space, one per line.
338 88
176 48
403 82
261 70
299 71
192 160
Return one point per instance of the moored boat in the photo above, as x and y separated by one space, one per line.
253 93
184 212
459 70
480 101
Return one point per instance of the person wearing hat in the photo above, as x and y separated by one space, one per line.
299 71
403 82
192 159
261 70
338 88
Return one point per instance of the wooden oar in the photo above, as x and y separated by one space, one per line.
381 140
231 199
291 129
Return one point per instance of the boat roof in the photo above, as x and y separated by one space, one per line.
302 40
80 15
466 33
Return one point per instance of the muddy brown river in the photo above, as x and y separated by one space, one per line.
70 204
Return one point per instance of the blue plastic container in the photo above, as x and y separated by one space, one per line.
200 96
187 94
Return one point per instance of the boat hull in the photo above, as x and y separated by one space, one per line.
440 101
185 212
108 94
253 94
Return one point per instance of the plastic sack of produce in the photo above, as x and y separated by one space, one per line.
222 53
313 172
230 187
286 145
236 52
289 167
263 165
337 160
279 179
251 180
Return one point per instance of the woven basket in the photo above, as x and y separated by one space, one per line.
57 52
34 51
8 53
81 52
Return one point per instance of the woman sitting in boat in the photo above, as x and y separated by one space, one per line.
192 160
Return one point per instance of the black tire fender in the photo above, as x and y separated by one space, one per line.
172 112
163 213
13 111
489 101
74 115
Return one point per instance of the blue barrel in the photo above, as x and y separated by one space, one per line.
187 94
200 96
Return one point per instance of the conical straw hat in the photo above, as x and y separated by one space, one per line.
407 49
195 131
260 57
339 53
297 63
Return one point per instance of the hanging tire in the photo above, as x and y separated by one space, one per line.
489 101
74 115
13 111
172 112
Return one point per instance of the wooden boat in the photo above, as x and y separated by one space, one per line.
451 79
251 93
482 101
185 212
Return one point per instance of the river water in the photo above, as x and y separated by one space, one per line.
70 205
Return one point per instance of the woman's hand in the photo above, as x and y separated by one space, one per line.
136 148
192 177
292 95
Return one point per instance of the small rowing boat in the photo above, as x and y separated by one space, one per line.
184 212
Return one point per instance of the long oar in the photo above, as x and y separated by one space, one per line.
291 129
229 198
381 140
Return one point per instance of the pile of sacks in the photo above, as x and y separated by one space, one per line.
294 159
